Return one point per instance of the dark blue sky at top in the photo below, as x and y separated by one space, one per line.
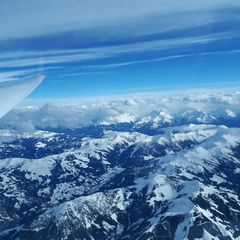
89 48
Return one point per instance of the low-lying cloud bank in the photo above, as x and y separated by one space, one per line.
212 108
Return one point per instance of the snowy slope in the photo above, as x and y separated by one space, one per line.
114 181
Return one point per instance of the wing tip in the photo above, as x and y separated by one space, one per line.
18 89
39 76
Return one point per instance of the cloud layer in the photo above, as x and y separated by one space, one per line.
50 17
158 111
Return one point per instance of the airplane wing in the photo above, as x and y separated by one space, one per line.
13 92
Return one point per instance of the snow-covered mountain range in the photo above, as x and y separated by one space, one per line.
138 168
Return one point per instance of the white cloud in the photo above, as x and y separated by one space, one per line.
200 106
45 58
104 20
21 19
160 59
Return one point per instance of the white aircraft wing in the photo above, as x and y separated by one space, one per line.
12 92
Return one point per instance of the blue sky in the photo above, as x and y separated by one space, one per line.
92 47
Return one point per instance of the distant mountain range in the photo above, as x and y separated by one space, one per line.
142 168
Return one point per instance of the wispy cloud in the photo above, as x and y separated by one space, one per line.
35 18
51 57
171 57
87 37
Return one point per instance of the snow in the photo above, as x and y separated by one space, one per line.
7 136
156 119
40 145
169 184
149 157
107 226
180 206
103 203
120 118
237 170
217 179
44 191
120 228
190 188
158 188
230 113
231 139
